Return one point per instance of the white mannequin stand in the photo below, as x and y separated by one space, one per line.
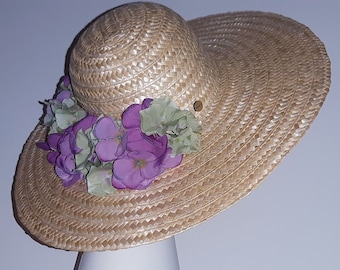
160 255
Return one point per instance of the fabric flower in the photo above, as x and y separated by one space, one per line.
136 170
131 117
63 110
138 140
112 139
65 82
147 155
162 117
53 104
98 180
167 161
109 154
86 158
64 148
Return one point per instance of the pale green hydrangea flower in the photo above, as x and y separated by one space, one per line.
181 127
62 111
99 180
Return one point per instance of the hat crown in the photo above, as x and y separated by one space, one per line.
138 51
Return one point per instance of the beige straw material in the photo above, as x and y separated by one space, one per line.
261 78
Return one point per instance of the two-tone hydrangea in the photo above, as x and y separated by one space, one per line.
111 154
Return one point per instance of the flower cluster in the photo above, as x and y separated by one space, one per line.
62 111
110 154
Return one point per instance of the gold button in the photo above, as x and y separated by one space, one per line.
198 105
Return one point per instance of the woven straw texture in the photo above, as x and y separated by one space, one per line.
261 78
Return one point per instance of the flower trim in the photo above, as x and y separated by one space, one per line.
110 154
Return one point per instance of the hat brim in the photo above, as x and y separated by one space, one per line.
274 77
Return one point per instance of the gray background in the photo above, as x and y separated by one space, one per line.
291 221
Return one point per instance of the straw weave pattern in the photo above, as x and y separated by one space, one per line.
142 51
262 79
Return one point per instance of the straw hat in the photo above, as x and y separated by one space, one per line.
254 81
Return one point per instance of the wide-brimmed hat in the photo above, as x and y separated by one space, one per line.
249 84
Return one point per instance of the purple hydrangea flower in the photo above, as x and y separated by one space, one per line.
112 139
136 170
63 149
146 156
66 81
137 159
136 139
166 161
62 95
131 118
